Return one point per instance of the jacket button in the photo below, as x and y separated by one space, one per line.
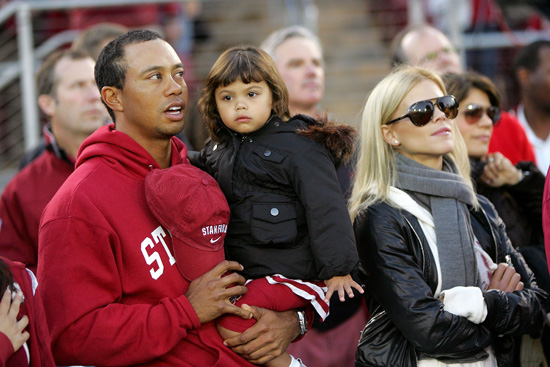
274 212
267 153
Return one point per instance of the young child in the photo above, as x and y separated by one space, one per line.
24 337
289 224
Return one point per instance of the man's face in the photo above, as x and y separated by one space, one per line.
76 107
154 95
300 63
431 49
537 85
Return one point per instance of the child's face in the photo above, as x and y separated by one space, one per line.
244 108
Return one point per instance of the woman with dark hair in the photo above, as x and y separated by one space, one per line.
515 191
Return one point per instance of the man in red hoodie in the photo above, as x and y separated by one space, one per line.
112 287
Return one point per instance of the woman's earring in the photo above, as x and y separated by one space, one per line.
396 142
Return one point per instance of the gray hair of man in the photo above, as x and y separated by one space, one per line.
276 38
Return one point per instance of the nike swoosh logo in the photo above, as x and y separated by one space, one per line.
212 240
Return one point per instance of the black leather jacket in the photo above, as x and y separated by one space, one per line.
519 206
400 275
288 213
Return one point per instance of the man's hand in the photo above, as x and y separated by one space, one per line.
209 294
268 337
9 325
506 279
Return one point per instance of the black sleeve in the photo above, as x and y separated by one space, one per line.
329 224
528 192
519 312
197 158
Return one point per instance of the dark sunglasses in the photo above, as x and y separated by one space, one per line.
474 112
420 113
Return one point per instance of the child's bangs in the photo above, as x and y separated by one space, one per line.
241 68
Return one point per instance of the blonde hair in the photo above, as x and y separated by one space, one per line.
375 168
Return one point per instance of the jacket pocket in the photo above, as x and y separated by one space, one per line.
267 154
274 224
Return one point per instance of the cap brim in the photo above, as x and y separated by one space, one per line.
193 262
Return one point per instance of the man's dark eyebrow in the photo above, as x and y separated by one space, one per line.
158 67
150 68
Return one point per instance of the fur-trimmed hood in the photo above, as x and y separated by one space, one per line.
337 138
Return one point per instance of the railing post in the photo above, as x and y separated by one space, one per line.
31 126
415 14
455 31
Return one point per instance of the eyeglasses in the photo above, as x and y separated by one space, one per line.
435 54
474 113
420 113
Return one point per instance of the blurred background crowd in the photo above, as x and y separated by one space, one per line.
355 34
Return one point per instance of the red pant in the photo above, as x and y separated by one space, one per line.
275 297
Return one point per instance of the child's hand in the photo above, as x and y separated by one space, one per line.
341 284
9 325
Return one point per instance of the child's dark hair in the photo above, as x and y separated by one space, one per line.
249 64
6 278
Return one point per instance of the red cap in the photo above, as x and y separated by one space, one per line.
189 203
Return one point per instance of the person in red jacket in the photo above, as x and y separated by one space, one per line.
24 337
111 285
69 97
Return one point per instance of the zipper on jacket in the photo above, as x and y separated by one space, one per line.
423 271
376 316
421 249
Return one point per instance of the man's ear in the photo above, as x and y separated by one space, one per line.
389 136
111 97
523 75
46 104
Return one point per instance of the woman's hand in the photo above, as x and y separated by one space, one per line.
342 285
9 325
499 171
506 279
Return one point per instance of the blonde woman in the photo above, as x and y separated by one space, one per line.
434 254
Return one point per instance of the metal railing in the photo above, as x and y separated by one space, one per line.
477 40
29 57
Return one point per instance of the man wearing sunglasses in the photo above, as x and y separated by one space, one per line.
424 45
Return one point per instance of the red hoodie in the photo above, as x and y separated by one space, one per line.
111 294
